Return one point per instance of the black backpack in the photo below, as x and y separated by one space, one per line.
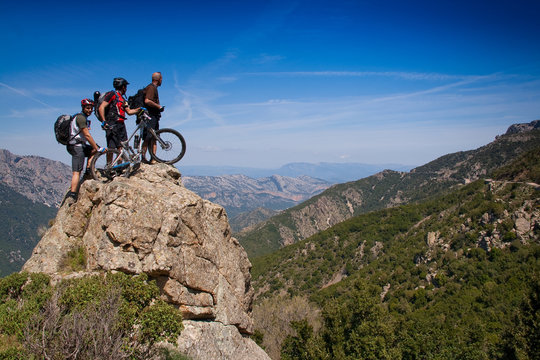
111 107
98 99
62 129
137 100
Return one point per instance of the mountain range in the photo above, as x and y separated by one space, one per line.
449 271
46 181
240 193
331 172
386 189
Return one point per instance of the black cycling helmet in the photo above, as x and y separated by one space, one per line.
119 82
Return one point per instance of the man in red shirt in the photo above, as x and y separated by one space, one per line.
114 109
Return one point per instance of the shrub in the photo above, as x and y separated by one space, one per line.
21 296
509 236
112 316
74 260
160 322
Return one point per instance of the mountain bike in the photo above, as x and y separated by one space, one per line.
165 146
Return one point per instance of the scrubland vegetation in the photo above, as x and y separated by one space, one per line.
448 278
110 316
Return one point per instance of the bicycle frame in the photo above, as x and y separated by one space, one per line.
165 146
128 153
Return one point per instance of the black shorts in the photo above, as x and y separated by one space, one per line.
115 134
78 153
152 123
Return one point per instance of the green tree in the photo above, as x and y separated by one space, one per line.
302 346
358 328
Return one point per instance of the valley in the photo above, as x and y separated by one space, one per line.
442 260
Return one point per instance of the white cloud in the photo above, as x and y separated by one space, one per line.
392 74
25 94
410 128
268 59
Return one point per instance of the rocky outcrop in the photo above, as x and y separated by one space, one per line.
151 223
520 128
213 340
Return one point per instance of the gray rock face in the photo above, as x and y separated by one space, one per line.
151 223
520 128
212 340
37 178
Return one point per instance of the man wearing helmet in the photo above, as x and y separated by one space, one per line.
78 146
113 110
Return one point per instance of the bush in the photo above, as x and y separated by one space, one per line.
98 317
160 322
21 296
509 236
74 260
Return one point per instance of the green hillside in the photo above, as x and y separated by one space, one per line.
17 238
454 277
383 190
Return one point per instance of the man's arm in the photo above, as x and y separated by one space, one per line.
86 133
101 109
149 95
131 111
150 103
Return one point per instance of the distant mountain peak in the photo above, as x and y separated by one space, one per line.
524 127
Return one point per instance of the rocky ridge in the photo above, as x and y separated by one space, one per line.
519 128
240 193
151 223
386 189
37 178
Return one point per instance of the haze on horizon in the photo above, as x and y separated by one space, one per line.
262 84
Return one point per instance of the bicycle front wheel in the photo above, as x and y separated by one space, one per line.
100 170
168 146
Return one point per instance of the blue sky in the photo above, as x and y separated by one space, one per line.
264 83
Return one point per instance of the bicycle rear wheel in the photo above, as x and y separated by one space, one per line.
101 171
170 149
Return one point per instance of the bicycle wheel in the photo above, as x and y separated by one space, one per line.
170 149
101 171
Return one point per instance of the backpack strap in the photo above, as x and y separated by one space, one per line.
115 99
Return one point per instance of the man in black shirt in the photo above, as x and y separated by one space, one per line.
151 101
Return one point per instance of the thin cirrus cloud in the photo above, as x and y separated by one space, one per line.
24 94
390 74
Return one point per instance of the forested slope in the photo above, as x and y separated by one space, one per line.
452 277
17 239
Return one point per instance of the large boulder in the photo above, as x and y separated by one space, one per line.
150 223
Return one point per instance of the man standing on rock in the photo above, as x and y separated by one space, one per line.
78 146
113 111
151 101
